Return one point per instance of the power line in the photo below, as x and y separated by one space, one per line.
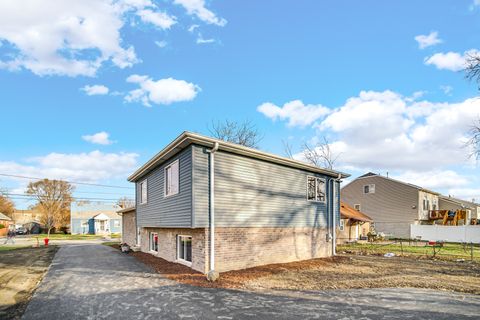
72 182
28 196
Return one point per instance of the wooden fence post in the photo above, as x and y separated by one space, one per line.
471 250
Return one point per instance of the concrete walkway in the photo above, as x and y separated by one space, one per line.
91 281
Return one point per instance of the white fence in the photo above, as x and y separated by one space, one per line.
446 233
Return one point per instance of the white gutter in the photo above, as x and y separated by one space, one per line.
212 206
334 234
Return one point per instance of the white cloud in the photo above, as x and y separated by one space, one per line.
452 61
98 138
447 89
465 193
296 112
387 131
407 136
197 8
434 180
159 19
161 44
163 91
95 90
193 27
429 40
64 37
201 40
88 167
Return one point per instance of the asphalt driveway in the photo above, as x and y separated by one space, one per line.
91 281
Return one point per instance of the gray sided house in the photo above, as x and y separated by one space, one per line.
94 218
393 205
256 208
451 203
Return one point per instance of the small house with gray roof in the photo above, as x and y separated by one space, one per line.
95 218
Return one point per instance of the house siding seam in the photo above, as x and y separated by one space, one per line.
256 193
173 211
393 206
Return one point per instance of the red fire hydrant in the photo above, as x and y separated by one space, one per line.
46 242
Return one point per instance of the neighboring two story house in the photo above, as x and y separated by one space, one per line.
393 205
255 207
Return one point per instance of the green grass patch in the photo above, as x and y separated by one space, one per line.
111 243
449 251
9 247
62 236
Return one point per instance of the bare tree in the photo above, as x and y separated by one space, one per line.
472 70
126 202
53 199
320 155
243 133
474 141
7 206
287 149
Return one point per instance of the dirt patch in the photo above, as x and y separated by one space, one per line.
340 272
20 272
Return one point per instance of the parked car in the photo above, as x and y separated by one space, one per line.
21 230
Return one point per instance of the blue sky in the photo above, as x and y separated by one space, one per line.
92 89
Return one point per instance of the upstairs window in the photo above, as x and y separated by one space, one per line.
342 225
143 191
369 188
357 207
316 189
171 179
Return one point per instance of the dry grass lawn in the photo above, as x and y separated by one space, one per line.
340 272
21 270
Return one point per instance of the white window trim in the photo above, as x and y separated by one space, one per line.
150 234
179 260
369 188
143 201
165 179
341 227
325 183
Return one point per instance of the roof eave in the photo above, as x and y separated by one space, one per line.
187 138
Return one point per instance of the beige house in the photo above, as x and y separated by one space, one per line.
354 225
22 217
393 205
129 226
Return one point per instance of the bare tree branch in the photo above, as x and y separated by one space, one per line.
287 149
474 141
243 133
472 70
126 202
320 155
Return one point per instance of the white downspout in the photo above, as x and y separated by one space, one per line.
334 233
212 207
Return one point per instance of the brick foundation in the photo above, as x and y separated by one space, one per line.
129 231
239 248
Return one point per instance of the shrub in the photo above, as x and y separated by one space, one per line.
2 226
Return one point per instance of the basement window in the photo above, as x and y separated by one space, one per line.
153 241
316 189
184 249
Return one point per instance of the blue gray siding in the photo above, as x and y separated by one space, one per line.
77 226
255 193
172 211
